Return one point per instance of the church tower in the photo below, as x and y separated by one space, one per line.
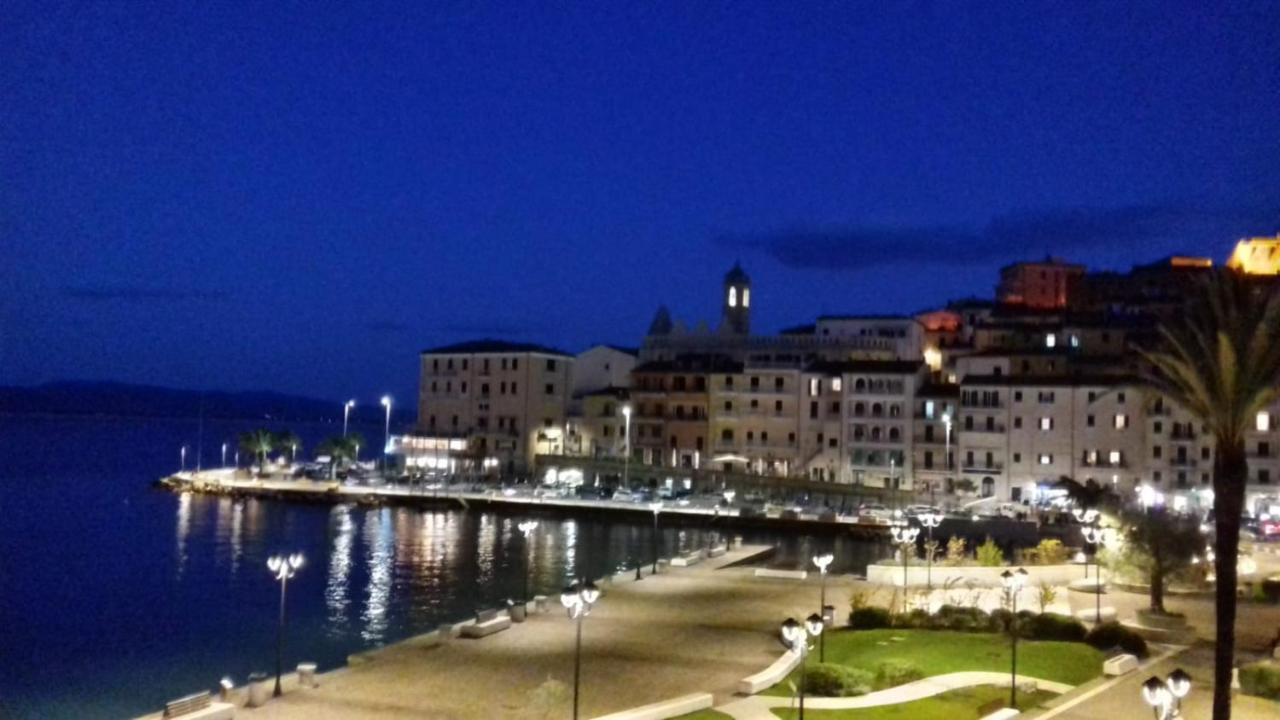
735 315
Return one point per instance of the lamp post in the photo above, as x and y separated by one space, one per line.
182 454
386 431
796 637
905 536
577 600
946 458
1095 537
527 527
1013 582
822 561
626 446
224 454
656 507
284 568
929 520
1165 696
293 453
346 413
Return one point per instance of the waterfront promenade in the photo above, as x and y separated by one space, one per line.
685 630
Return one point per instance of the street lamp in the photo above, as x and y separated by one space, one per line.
183 457
905 536
929 520
577 600
346 412
946 458
796 637
1096 537
626 443
284 568
386 431
1013 582
822 561
224 454
527 527
293 453
656 507
1165 696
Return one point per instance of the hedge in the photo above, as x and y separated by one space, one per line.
832 680
1112 635
1261 679
870 618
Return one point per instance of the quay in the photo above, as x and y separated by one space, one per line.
228 482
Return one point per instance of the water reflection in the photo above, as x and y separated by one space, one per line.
378 537
335 590
183 529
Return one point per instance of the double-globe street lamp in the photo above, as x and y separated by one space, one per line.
527 527
656 507
905 536
1013 584
1165 696
626 447
578 600
822 561
1093 536
284 568
796 637
929 520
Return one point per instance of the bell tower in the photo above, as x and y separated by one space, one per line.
735 314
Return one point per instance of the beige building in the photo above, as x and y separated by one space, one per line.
753 417
878 403
509 401
600 367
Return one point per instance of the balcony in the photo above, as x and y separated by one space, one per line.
1182 434
1183 462
984 468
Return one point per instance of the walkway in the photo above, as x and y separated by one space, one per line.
757 707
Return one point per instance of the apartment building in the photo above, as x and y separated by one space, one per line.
878 403
753 420
509 401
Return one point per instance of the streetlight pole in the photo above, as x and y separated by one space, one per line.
1092 536
656 507
946 458
346 413
578 600
1165 696
905 536
1013 582
796 637
183 454
284 568
224 454
822 561
930 521
386 431
527 527
626 443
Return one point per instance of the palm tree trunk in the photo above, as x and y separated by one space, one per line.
1157 580
1230 470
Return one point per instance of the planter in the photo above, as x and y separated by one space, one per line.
1161 621
891 574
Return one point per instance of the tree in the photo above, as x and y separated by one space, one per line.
287 440
258 443
339 448
1160 544
1220 360
1087 494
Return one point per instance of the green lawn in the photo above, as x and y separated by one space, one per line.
937 652
951 705
706 715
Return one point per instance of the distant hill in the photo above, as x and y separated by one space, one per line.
124 400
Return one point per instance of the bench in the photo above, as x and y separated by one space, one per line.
487 622
687 559
664 709
1002 714
199 706
781 574
716 551
769 676
1119 665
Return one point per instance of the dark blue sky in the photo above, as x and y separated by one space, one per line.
300 198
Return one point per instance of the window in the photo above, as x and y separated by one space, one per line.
448 365
1075 341
464 363
1120 398
1157 427
836 385
728 406
813 410
515 363
551 365
1089 421
513 388
1017 423
1204 453
764 436
1045 398
1092 396
777 383
755 383
1050 340
835 407
504 363
733 297
1113 457
551 389
751 436
815 386
464 388
746 297
1017 457
755 404
502 388
1122 421
1046 423
726 435
435 365
991 424
434 387
1017 396
1090 457
1046 459
928 409
777 406
1157 451
831 442
1263 421
1264 476
1264 449
728 382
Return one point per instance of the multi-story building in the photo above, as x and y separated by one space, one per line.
1047 285
752 414
878 404
509 401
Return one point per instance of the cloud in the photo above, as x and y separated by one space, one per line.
1162 227
135 293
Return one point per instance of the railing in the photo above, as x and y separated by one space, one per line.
1182 462
994 467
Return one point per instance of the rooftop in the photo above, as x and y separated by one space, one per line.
885 367
487 346
1066 380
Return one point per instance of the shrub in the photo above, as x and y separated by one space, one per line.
1048 552
1261 679
916 619
1052 626
892 673
967 619
869 618
990 554
1112 635
956 551
999 620
834 680
1046 596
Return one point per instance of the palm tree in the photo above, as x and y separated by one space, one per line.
1089 494
339 448
258 443
1220 359
288 440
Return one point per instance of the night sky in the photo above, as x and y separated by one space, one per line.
300 198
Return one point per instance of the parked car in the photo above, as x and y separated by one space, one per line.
912 511
879 513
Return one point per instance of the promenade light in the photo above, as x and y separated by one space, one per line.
1165 696
905 536
822 562
578 600
929 520
346 413
284 568
656 507
1013 583
386 432
526 528
795 636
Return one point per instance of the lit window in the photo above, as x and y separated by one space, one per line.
733 297
928 409
1050 340
1091 457
746 297
1075 341
1263 423
815 386
1122 421
1114 457
1046 459
1046 423
836 385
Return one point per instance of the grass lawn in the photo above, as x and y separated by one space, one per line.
706 715
937 652
950 705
